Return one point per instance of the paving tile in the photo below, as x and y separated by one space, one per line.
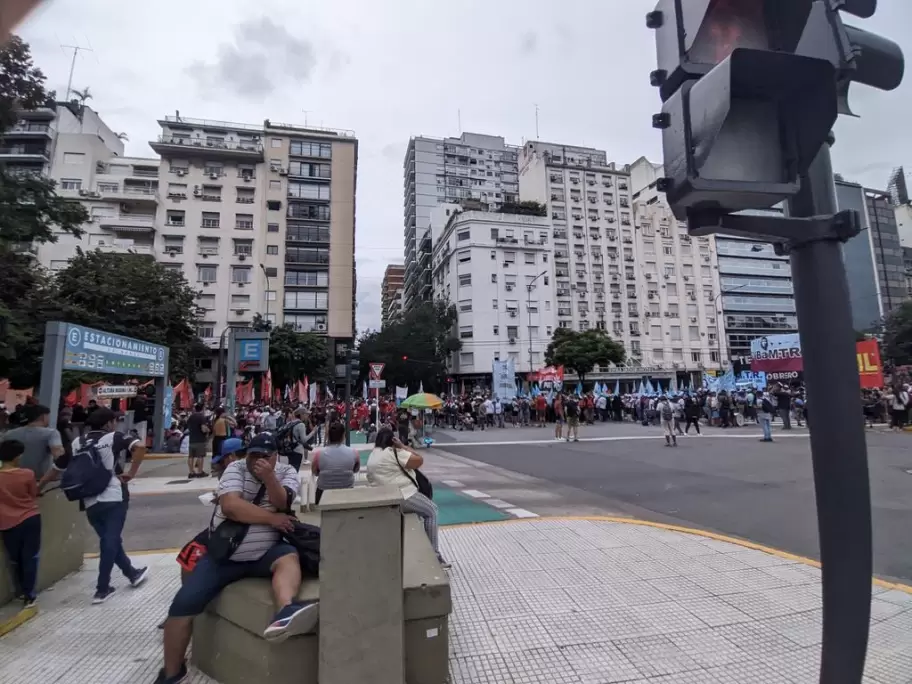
758 606
656 655
541 666
668 618
567 629
484 669
805 629
757 639
707 647
600 664
506 604
679 588
889 667
549 601
713 611
882 610
520 634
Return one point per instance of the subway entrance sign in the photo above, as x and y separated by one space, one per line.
68 346
95 350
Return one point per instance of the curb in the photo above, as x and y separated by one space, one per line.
899 586
17 620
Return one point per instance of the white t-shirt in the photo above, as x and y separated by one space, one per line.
113 448
382 470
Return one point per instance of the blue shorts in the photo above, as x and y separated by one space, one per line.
209 578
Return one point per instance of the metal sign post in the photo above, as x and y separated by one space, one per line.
74 347
248 352
376 372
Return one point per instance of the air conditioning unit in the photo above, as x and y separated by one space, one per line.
239 312
648 314
686 279
509 288
651 295
247 179
649 276
242 257
693 319
321 327
213 176
512 314
283 172
83 193
197 192
240 284
181 173
512 340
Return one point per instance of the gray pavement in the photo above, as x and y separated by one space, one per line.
726 481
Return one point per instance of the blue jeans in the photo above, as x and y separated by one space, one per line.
209 577
107 518
766 424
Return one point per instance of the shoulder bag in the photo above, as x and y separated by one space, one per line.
419 480
225 539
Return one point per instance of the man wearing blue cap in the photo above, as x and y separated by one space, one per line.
252 491
232 450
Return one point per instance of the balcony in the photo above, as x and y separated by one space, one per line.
128 223
168 145
125 247
25 153
29 129
29 249
139 194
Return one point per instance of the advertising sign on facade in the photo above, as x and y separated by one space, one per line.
779 356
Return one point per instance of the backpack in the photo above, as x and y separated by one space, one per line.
572 409
86 474
667 413
766 406
285 439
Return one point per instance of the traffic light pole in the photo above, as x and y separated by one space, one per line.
838 448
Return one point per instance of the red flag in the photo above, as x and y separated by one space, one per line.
277 395
71 399
266 386
207 394
305 397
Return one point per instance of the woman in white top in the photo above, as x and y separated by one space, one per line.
393 464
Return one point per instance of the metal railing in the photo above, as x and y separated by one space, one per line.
212 123
210 144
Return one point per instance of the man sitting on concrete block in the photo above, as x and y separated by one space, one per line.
245 541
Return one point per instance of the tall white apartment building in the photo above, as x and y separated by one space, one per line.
496 268
680 326
262 219
475 167
621 261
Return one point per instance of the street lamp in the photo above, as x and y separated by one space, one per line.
719 323
268 289
529 286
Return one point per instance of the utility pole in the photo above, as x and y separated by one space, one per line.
750 92
529 288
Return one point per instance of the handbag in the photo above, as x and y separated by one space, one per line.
225 539
419 480
306 540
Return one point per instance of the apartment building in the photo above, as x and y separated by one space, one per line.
873 258
28 146
391 293
497 269
261 218
473 166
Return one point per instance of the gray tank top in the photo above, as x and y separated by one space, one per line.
337 463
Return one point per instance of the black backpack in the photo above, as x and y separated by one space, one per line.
667 411
766 405
86 474
285 439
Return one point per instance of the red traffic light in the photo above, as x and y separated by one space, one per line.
729 24
405 358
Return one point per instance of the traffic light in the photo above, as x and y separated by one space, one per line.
405 358
751 89
354 361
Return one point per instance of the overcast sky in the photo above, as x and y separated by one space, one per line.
390 69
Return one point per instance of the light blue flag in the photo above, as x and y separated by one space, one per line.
579 389
642 390
617 386
650 390
364 391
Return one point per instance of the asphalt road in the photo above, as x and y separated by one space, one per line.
742 487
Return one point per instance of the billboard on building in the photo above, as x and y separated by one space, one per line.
779 356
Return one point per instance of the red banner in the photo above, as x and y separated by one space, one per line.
870 369
548 374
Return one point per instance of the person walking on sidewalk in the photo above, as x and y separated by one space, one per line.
692 411
666 417
20 521
107 512
198 429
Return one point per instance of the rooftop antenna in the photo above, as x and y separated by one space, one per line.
75 49
536 123
459 120
306 112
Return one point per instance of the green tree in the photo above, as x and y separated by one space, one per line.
30 213
415 349
131 294
898 335
292 355
527 208
581 351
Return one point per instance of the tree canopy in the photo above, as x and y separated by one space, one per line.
898 335
581 351
415 348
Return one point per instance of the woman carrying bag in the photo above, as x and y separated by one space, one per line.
393 464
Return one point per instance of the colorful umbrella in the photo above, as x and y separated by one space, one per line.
422 401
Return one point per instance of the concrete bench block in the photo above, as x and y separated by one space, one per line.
228 643
63 543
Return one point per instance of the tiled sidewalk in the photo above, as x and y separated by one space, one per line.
545 601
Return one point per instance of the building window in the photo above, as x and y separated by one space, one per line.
465 332
465 305
272 272
465 279
466 359
211 219
315 212
205 330
244 247
272 227
494 304
206 274
243 221
304 299
73 157
463 235
275 142
315 191
304 148
464 257
530 257
496 330
272 250
240 274
70 184
275 185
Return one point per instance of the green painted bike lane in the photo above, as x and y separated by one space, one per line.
455 508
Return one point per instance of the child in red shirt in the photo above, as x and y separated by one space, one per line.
20 521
